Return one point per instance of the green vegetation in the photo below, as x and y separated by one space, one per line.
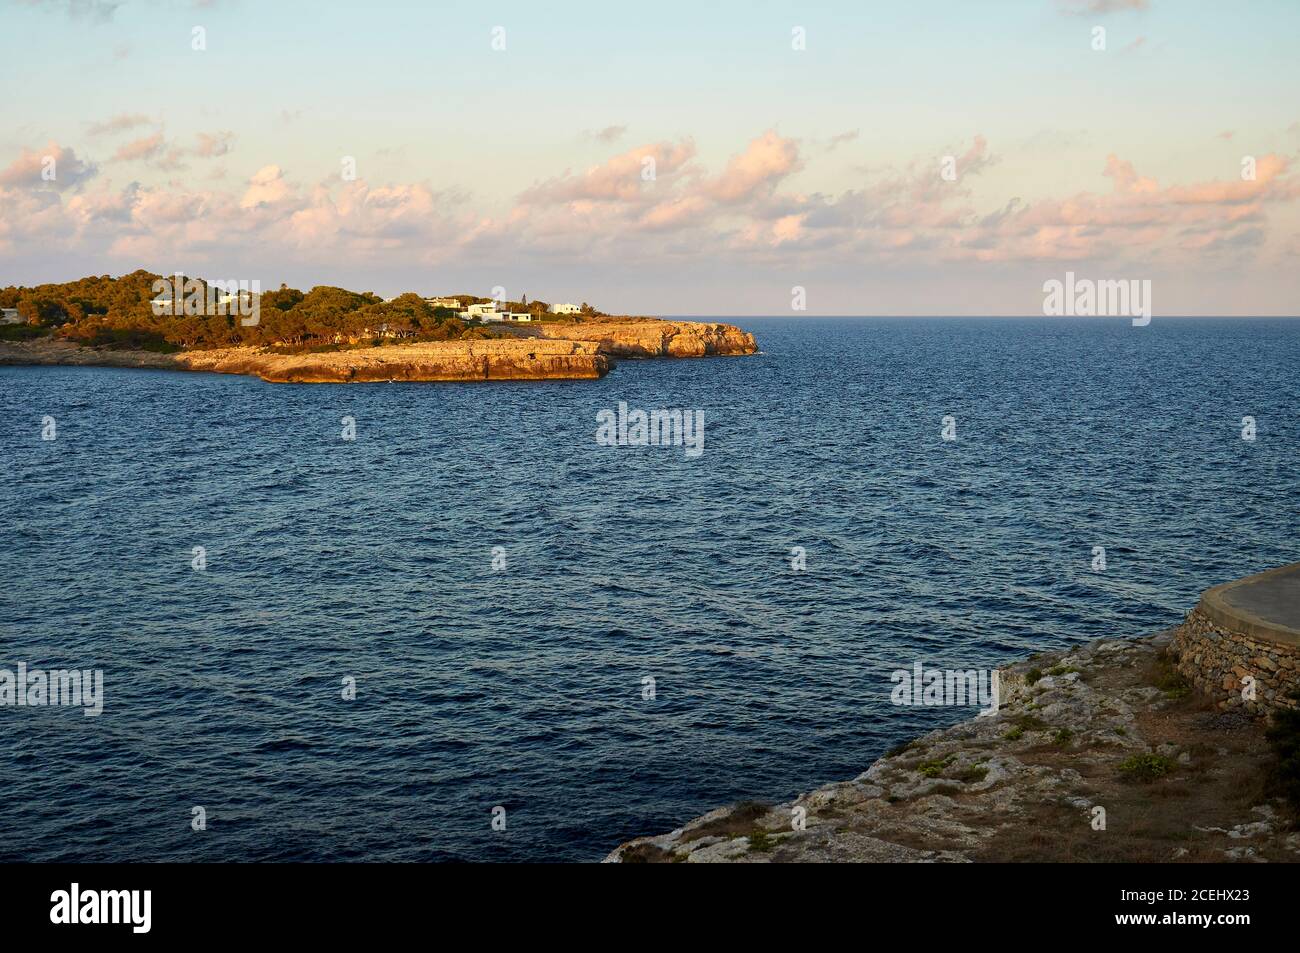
1145 768
1166 678
21 332
118 313
1015 734
1033 675
760 842
934 768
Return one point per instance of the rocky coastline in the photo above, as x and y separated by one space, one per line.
1103 752
545 351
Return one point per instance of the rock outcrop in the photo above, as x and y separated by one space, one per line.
1099 753
543 351
652 337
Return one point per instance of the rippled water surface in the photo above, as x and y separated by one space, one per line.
523 688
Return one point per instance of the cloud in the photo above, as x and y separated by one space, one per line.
165 156
838 140
608 135
746 214
122 122
211 146
98 11
766 161
1101 7
31 170
625 177
145 148
266 187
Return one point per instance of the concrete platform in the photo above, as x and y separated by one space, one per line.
1264 606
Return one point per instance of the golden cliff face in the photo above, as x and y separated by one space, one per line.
521 360
652 337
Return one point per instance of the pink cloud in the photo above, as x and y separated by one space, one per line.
763 164
56 168
211 146
744 213
145 148
266 187
1100 7
122 122
623 178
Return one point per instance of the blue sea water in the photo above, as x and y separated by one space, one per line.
372 559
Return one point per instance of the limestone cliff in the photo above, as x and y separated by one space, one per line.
652 337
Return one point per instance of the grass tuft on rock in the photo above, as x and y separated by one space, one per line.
934 767
760 842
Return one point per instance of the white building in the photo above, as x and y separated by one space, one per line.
565 309
10 316
443 303
488 313
483 312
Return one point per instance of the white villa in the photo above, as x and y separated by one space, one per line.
565 309
10 316
488 313
443 303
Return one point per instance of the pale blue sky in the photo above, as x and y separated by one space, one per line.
415 92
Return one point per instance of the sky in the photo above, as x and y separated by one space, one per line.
886 157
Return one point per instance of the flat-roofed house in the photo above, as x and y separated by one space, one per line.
10 316
565 309
483 312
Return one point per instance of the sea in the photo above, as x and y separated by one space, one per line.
445 622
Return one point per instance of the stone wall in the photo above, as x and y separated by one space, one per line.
1217 662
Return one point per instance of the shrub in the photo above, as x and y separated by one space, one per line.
1145 768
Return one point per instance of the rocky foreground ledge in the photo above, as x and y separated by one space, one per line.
1099 753
550 351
